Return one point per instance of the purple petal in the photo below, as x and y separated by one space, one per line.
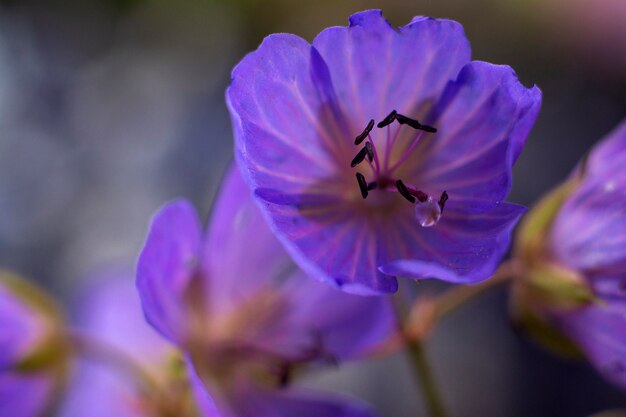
347 325
376 69
109 311
333 244
290 403
25 395
610 153
204 401
590 231
284 116
97 390
166 266
241 252
482 119
600 331
461 248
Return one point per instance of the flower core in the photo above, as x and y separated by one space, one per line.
383 168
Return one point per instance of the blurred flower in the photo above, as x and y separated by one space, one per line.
358 221
246 318
128 370
33 352
573 252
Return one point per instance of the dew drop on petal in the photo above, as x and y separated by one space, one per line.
427 212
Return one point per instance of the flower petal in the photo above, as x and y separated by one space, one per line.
333 244
204 400
589 232
241 254
610 153
376 69
600 331
461 248
166 266
26 395
347 325
482 119
109 310
285 118
100 391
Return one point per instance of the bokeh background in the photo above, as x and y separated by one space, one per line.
108 108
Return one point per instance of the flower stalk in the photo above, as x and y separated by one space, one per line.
421 366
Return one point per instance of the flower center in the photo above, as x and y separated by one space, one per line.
241 344
427 210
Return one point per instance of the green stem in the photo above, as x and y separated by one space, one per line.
423 371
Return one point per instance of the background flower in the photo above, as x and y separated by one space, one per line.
296 109
245 317
572 247
125 369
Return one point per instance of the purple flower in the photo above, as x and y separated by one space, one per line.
233 301
573 250
115 333
378 152
33 355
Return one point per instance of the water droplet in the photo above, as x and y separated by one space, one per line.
428 212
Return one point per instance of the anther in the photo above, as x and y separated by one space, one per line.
421 196
404 191
372 186
362 184
429 129
388 120
364 134
442 200
359 157
403 120
370 150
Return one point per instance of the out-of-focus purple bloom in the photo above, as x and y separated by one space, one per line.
246 317
115 334
573 249
33 353
355 186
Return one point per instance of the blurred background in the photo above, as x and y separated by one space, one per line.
108 108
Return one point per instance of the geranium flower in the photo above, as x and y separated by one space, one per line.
246 318
573 250
33 353
378 152
127 368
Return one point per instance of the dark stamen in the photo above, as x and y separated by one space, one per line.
421 196
370 150
403 120
372 186
364 134
388 120
362 184
442 200
404 191
429 129
359 157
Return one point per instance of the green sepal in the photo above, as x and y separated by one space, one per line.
545 334
557 287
